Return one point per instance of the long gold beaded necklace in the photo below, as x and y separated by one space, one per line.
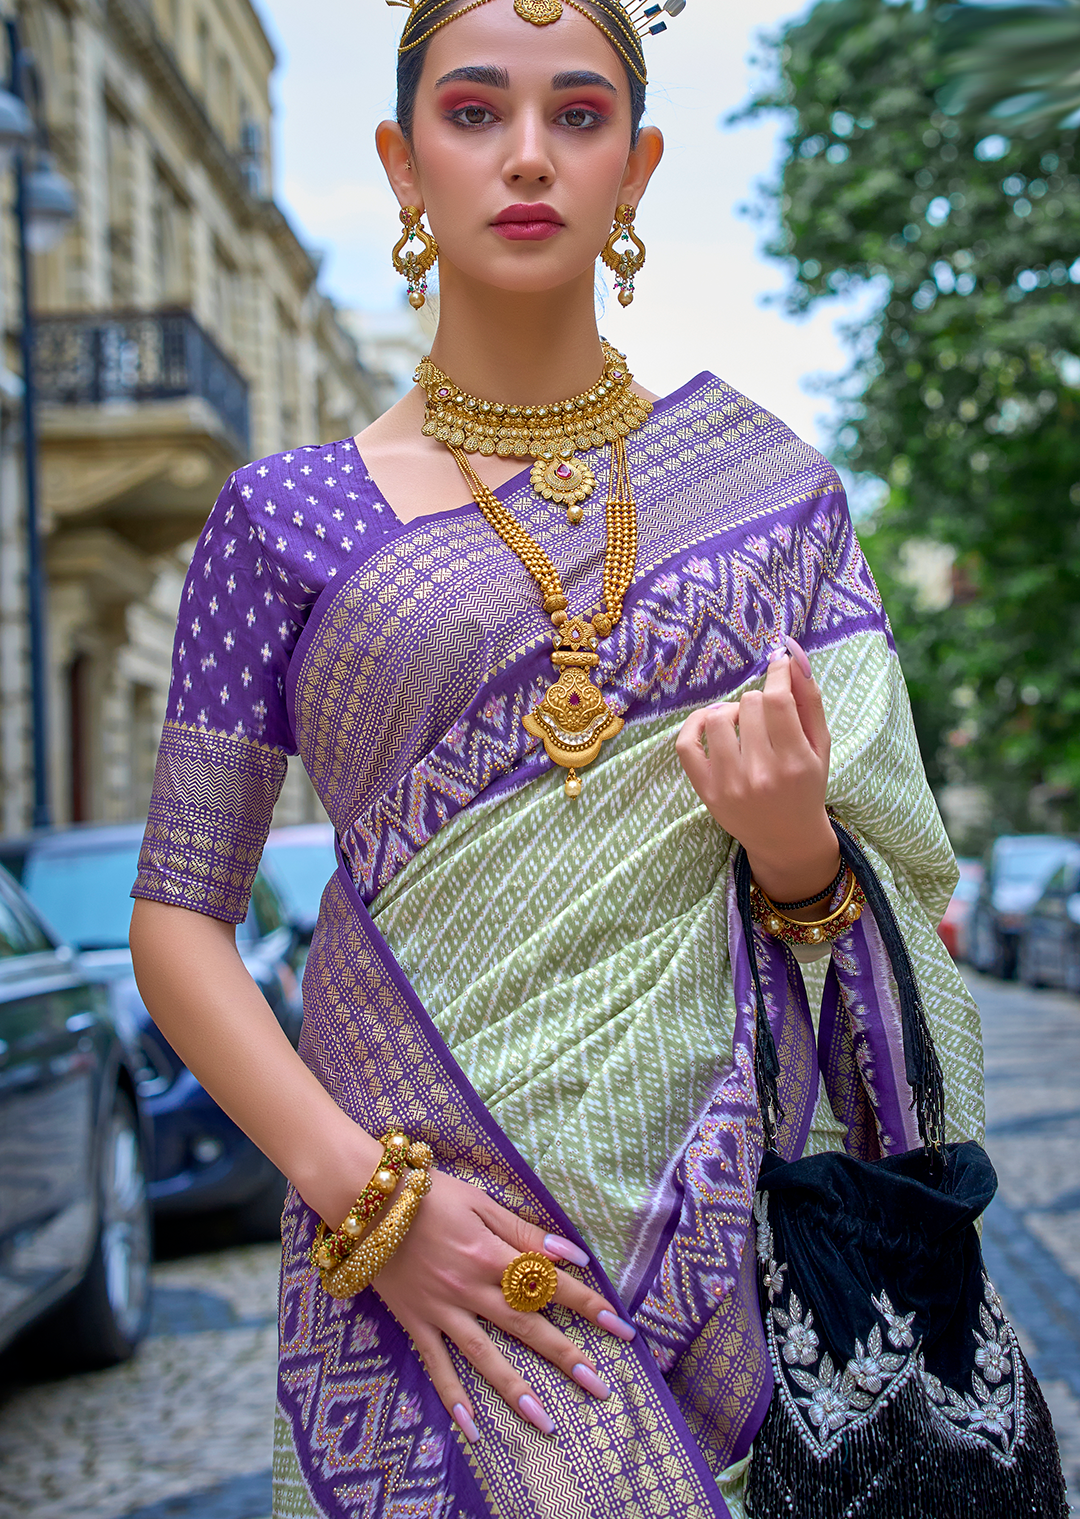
551 434
572 718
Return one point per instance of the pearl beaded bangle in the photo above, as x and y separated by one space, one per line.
331 1247
822 931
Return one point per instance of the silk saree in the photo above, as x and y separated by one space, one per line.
554 994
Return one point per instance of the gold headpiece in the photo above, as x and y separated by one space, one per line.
630 21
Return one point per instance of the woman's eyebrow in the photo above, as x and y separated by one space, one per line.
477 73
578 79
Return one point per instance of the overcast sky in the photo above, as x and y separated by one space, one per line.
699 301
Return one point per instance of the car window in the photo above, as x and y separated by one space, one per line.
85 895
1031 864
11 933
34 936
301 872
266 906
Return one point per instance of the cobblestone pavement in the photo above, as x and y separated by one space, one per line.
184 1431
1031 1235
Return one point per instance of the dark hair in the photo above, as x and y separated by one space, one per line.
410 66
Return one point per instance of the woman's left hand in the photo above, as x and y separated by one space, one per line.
761 766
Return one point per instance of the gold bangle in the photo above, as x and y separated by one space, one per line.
813 922
364 1262
331 1246
813 932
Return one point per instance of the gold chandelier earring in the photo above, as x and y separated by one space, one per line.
627 261
414 266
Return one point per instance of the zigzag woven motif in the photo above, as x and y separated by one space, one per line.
693 630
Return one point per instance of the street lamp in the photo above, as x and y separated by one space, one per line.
44 209
50 205
16 128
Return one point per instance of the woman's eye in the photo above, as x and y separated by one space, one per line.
472 115
579 116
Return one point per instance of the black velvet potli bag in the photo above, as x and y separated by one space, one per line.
901 1391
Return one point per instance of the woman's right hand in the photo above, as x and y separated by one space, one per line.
446 1278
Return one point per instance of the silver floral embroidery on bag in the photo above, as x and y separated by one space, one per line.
833 1400
995 1406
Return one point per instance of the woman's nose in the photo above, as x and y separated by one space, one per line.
529 159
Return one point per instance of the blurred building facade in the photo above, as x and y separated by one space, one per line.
179 333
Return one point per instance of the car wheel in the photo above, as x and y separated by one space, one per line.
981 946
1027 968
1007 957
104 1319
260 1217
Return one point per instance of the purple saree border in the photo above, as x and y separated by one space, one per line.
688 636
400 529
455 1077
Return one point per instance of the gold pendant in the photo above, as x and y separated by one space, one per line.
567 481
572 717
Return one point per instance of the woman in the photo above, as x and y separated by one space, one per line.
528 958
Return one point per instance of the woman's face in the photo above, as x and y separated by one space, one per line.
521 146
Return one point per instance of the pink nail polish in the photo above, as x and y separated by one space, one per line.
565 1250
585 1377
463 1420
798 654
777 654
536 1416
615 1325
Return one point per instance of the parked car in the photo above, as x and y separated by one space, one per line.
1050 942
955 925
1018 869
300 859
74 1215
80 879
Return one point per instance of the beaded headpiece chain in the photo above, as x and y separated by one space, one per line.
623 22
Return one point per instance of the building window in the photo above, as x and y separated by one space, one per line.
225 300
172 242
288 368
121 238
145 727
202 56
79 739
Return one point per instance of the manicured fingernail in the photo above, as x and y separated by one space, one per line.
777 654
565 1250
536 1416
798 654
463 1420
615 1325
585 1377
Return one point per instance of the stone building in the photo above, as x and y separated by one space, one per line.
179 332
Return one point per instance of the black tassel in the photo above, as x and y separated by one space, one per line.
921 1065
906 1463
766 1059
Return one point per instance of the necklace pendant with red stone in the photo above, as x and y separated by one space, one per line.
563 478
572 717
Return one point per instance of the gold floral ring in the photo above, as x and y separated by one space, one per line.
529 1282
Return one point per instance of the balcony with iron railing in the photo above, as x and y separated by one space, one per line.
110 357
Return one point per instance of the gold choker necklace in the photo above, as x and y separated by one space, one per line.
550 434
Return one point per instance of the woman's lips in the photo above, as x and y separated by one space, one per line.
532 224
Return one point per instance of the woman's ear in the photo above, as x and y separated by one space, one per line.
396 157
644 157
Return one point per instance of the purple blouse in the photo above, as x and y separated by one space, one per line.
280 530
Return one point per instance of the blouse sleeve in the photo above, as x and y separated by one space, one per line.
227 735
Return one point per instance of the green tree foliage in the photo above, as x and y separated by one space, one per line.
966 389
1019 64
